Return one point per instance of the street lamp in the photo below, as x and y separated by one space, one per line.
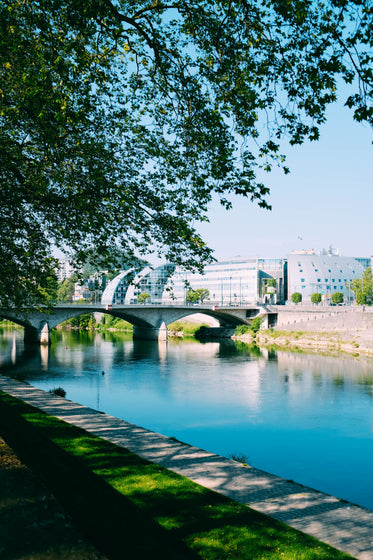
230 290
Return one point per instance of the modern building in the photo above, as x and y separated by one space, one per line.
239 280
64 270
323 274
125 288
90 289
231 282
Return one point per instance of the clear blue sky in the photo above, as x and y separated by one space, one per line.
327 199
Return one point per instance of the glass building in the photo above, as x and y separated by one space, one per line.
231 282
125 288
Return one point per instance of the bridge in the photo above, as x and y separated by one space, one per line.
149 321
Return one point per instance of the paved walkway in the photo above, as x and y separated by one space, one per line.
343 525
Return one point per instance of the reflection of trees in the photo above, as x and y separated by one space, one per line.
366 383
251 349
341 372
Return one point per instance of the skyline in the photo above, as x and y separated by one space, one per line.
327 199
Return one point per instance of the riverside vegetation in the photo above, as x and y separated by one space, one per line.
179 329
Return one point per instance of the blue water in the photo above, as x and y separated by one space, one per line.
305 417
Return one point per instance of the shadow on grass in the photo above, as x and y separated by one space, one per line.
131 508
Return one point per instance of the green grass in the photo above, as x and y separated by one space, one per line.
189 329
9 324
131 508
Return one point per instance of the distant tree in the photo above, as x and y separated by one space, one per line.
337 297
363 288
143 297
367 285
191 296
316 298
199 295
296 297
271 284
66 288
356 285
202 294
84 321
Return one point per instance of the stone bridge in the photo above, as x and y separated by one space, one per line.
149 321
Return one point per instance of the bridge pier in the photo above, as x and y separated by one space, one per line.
37 336
150 333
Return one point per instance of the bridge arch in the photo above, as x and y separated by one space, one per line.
223 319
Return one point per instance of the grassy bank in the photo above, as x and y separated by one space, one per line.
9 324
131 508
332 343
184 329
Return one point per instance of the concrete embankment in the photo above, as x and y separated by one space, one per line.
341 329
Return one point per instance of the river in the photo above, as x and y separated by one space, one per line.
304 417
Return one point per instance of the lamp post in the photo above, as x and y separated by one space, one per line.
230 291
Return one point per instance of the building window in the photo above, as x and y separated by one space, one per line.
319 279
302 280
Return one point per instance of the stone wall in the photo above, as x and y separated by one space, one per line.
324 319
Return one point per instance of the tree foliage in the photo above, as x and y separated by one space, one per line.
316 297
66 289
337 297
363 288
196 296
143 297
120 120
296 297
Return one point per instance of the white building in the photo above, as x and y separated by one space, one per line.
323 274
65 270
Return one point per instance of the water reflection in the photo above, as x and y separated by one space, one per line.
304 417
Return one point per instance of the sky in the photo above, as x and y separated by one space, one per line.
327 199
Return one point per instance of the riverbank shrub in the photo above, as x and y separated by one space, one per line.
241 329
256 323
83 322
59 391
109 322
188 329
